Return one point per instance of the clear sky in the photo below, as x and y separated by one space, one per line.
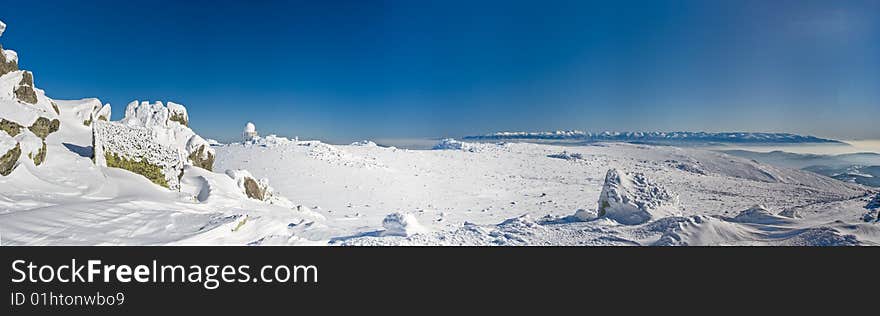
349 70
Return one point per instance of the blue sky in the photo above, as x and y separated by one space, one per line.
348 70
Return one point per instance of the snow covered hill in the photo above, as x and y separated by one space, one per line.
72 177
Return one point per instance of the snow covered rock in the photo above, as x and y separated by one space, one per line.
791 213
169 125
250 186
364 143
874 203
90 110
630 199
8 61
8 58
10 151
401 224
756 214
137 149
24 91
565 155
452 144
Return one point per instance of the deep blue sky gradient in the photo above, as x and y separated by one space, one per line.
349 70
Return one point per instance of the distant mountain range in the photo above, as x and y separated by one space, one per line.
660 137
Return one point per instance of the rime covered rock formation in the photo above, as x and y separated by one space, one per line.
139 150
631 199
152 140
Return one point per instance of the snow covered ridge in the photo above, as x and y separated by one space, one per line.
691 137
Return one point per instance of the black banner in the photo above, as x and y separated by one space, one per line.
415 279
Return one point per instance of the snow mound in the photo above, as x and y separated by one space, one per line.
364 143
791 213
401 224
584 215
757 214
631 199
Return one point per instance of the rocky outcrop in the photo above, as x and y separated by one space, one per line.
24 92
631 199
8 160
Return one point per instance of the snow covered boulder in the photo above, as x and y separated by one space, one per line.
874 203
250 186
139 150
452 144
401 224
630 199
755 214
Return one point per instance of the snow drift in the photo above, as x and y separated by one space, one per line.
401 224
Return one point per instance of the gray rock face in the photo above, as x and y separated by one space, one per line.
24 92
8 159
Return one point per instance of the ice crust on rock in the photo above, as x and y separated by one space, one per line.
150 133
631 199
401 224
